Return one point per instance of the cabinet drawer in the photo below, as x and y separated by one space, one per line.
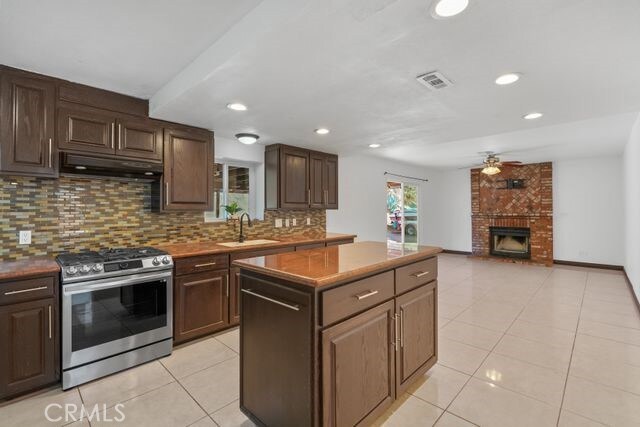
355 297
27 290
201 263
416 274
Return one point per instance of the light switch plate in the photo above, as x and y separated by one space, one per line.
308 221
286 222
278 223
295 222
25 237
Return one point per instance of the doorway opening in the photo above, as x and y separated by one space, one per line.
402 212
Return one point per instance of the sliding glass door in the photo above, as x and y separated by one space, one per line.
402 212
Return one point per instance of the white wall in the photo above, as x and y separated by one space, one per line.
362 198
588 210
453 214
632 207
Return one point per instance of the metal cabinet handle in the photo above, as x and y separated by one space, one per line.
25 290
401 328
113 132
206 264
326 197
50 325
420 274
166 199
309 195
365 295
227 276
119 136
50 153
275 301
395 331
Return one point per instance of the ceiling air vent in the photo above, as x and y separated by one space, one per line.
434 80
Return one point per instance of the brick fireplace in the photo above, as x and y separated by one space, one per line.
513 223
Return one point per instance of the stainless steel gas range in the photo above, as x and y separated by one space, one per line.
117 311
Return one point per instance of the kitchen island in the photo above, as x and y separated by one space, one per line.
331 336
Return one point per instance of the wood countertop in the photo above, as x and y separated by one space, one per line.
185 250
37 266
335 264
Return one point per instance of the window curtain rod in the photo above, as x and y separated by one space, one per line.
408 177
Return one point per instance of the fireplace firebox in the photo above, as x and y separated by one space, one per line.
510 242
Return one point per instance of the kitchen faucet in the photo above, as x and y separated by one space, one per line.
242 236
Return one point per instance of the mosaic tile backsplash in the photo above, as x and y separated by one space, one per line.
77 213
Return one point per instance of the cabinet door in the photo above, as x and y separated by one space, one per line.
27 346
358 367
234 296
27 111
86 130
330 185
294 178
188 170
201 304
417 350
317 180
140 139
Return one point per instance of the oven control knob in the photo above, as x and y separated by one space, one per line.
85 269
155 261
165 260
97 268
72 270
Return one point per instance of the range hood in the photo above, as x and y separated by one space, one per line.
88 165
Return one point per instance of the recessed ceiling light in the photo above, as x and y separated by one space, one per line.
237 107
247 138
532 116
322 131
448 8
374 145
507 79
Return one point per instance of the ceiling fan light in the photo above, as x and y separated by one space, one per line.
247 138
491 170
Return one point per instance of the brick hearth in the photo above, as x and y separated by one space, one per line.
530 207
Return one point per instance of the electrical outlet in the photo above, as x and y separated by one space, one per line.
295 222
278 223
308 221
286 222
25 237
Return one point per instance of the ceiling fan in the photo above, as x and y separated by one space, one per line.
491 163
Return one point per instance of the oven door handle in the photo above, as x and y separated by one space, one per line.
108 284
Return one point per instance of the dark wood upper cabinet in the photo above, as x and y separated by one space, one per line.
86 130
201 304
27 125
187 182
139 138
417 351
296 178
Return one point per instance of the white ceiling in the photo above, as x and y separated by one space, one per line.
350 65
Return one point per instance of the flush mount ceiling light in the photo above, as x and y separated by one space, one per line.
247 138
491 170
374 145
322 131
532 116
448 8
237 107
507 79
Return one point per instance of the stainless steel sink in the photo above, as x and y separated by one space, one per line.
248 243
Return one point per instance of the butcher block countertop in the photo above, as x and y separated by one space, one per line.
336 264
36 266
184 250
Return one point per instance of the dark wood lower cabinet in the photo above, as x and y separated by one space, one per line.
358 367
201 304
27 346
234 296
417 351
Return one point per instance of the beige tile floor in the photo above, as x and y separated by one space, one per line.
519 346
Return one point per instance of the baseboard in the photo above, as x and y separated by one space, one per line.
452 252
589 265
633 292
